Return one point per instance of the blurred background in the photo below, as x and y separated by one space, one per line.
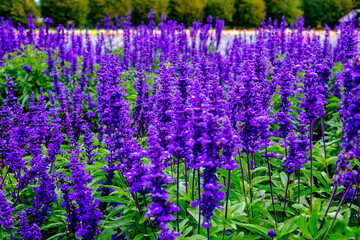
235 13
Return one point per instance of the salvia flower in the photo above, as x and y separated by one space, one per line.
272 233
295 158
227 141
27 68
6 220
219 26
45 195
87 210
48 20
160 208
27 232
88 144
107 22
211 196
284 79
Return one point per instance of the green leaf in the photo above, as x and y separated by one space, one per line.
289 226
284 178
187 231
303 225
265 212
143 219
254 228
111 199
337 236
56 236
314 217
139 236
259 179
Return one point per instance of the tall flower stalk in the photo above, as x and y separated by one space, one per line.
156 180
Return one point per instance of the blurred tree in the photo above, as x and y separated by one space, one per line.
249 13
99 9
18 10
80 12
357 3
142 7
187 10
291 9
224 9
242 13
5 8
318 12
61 12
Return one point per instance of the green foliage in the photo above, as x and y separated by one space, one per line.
235 13
5 8
36 79
61 12
318 12
142 7
245 219
66 11
26 83
249 13
291 9
139 10
99 9
187 10
81 10
18 10
224 9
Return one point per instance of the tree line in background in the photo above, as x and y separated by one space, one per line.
235 13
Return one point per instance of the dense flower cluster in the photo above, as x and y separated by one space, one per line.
5 212
128 121
156 180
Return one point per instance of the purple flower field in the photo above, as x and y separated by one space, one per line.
169 134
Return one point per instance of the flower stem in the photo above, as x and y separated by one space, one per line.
227 193
358 216
193 186
299 186
134 195
177 193
12 235
248 163
186 179
242 177
323 136
227 201
2 182
342 136
311 163
199 199
151 226
328 207
252 161
337 211
271 190
286 191
353 198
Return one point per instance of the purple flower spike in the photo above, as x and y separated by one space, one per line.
157 180
27 68
206 224
48 20
271 233
5 212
